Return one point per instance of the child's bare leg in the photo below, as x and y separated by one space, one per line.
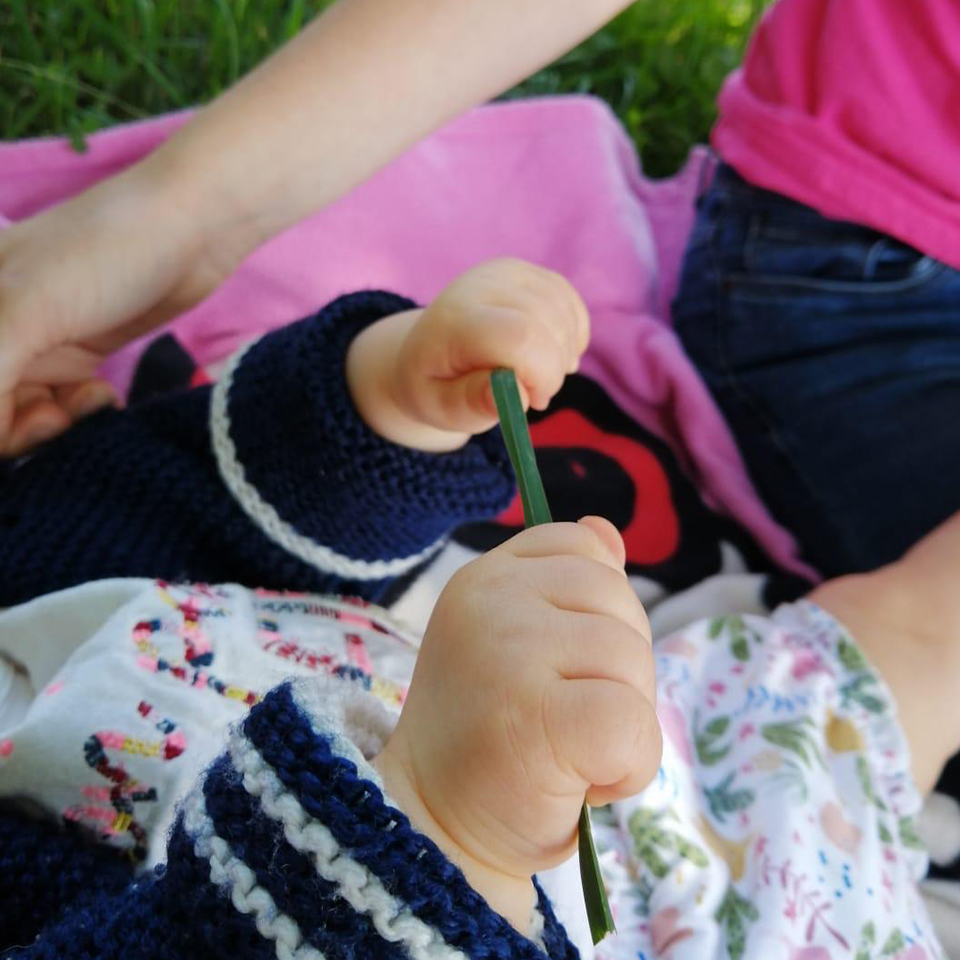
906 619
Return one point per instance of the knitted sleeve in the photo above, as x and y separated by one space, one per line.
269 479
288 848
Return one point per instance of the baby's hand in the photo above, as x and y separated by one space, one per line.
422 378
534 689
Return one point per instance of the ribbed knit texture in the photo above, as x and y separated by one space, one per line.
140 492
44 870
287 850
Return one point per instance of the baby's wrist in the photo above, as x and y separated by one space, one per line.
371 372
513 897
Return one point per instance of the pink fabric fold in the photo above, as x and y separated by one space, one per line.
555 181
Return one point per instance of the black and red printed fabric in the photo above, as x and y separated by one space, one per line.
594 459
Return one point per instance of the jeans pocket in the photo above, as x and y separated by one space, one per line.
791 254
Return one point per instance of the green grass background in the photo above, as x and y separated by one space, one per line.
73 66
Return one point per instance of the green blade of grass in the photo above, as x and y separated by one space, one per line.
591 879
516 436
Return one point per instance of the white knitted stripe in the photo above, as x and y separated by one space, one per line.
265 516
355 721
235 878
355 883
538 924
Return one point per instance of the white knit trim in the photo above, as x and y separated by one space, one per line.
265 516
355 883
538 924
235 878
357 722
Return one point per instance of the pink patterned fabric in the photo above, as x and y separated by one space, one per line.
554 181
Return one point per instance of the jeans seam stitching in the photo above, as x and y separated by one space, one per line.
929 275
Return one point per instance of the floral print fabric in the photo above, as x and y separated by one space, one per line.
780 824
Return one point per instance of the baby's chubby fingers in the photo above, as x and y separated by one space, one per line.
505 313
591 537
598 712
606 733
421 378
534 688
521 337
582 585
577 567
590 646
539 293
533 321
586 619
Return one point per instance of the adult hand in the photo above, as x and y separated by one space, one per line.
81 279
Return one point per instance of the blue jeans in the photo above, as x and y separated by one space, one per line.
834 353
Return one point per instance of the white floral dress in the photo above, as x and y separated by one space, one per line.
780 824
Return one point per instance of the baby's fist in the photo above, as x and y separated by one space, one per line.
534 689
423 378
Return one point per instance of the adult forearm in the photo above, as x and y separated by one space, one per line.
364 81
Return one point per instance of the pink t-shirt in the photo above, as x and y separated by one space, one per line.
853 107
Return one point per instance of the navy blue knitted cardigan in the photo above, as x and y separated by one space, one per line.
268 479
287 848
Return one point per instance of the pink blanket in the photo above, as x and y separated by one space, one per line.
554 181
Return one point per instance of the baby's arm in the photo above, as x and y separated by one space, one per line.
906 619
273 478
534 688
286 848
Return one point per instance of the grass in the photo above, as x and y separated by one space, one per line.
74 66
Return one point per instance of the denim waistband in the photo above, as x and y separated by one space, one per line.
750 199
